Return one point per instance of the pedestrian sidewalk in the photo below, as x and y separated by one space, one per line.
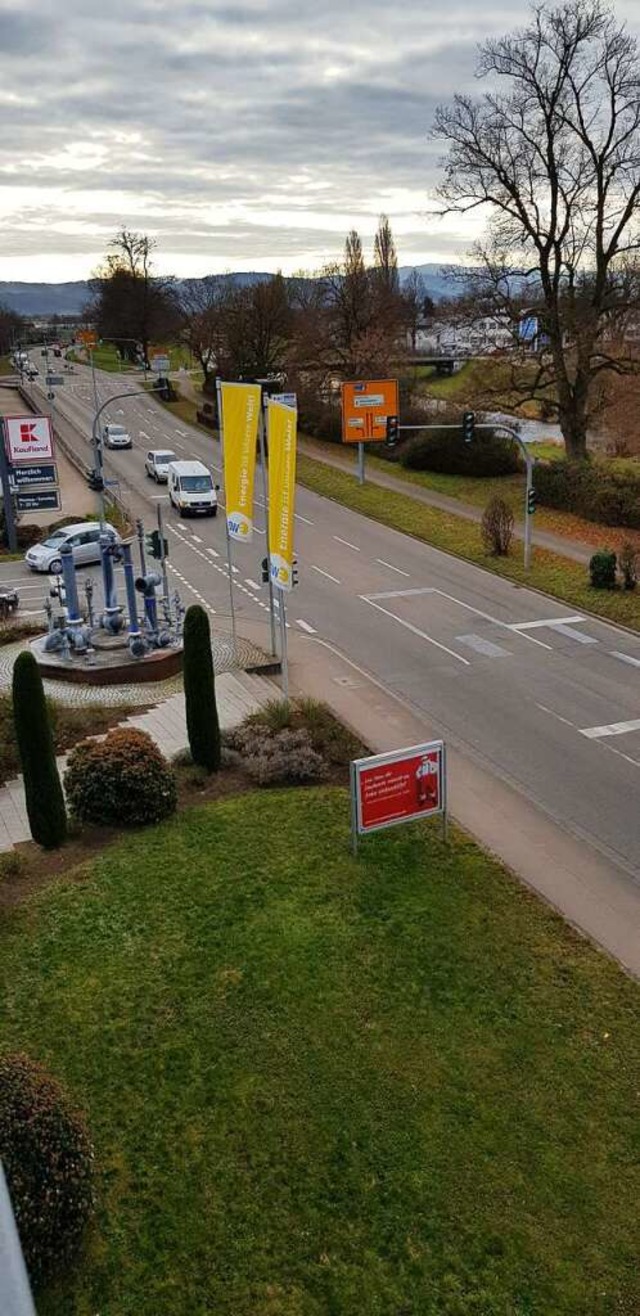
575 549
237 695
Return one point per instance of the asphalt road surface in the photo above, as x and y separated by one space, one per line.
545 698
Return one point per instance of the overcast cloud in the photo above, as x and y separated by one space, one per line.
241 136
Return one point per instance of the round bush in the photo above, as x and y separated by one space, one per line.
445 450
602 569
121 779
48 1160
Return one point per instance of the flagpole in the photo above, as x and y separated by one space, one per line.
226 529
263 464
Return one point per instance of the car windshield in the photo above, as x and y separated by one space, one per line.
196 483
116 429
54 540
163 458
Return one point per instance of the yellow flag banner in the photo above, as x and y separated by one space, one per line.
240 405
282 488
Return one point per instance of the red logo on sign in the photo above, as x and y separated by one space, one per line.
28 431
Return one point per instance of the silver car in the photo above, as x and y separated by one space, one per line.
156 464
84 538
116 436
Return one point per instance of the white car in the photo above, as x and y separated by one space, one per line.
31 371
191 489
156 464
84 538
116 436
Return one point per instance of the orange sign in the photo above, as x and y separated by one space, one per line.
366 403
87 337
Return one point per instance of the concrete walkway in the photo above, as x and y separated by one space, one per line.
237 694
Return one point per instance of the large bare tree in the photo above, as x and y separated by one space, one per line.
552 151
133 306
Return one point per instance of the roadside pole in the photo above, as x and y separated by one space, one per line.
284 650
15 1293
528 509
163 559
7 497
140 534
265 494
226 527
361 463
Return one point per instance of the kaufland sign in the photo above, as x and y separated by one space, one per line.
28 438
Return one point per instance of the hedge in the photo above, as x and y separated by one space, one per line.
589 489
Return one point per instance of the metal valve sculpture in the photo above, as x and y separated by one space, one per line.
71 634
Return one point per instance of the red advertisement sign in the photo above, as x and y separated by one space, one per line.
399 787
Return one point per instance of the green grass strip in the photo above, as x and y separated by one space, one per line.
550 573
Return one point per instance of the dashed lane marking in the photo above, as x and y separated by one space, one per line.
625 658
611 729
304 625
416 631
326 573
346 543
391 567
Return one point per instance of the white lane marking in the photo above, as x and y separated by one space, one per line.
391 567
625 658
326 573
182 433
196 538
483 646
253 584
415 631
303 518
627 757
558 716
486 616
347 544
611 729
304 625
259 531
144 435
548 621
571 634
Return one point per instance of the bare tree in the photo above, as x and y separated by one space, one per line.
131 304
555 158
203 304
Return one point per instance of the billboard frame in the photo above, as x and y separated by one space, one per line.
359 766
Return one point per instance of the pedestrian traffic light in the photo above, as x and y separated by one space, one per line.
468 426
531 500
265 570
95 481
155 545
393 429
295 579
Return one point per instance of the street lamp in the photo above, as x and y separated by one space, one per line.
97 446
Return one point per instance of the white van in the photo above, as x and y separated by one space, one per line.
191 489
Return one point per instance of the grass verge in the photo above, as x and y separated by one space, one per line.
325 1085
550 572
69 726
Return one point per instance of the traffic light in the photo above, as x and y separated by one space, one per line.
531 500
154 545
95 481
295 579
393 430
468 426
265 570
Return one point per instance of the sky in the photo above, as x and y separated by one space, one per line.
239 134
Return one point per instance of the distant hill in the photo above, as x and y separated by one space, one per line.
35 299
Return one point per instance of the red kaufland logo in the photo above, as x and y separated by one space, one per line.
27 438
28 431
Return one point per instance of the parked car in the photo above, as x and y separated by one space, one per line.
31 371
191 489
84 538
156 464
116 436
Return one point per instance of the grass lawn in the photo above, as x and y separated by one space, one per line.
550 572
6 367
483 383
320 1085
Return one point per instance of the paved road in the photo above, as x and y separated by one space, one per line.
544 698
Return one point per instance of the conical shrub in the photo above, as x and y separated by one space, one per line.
44 798
203 728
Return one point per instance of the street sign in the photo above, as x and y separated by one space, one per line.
24 477
28 438
366 403
398 787
287 399
87 337
45 500
160 364
53 381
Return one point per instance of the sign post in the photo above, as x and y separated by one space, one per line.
7 499
402 786
366 404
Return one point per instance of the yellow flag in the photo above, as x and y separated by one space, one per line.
282 488
240 405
